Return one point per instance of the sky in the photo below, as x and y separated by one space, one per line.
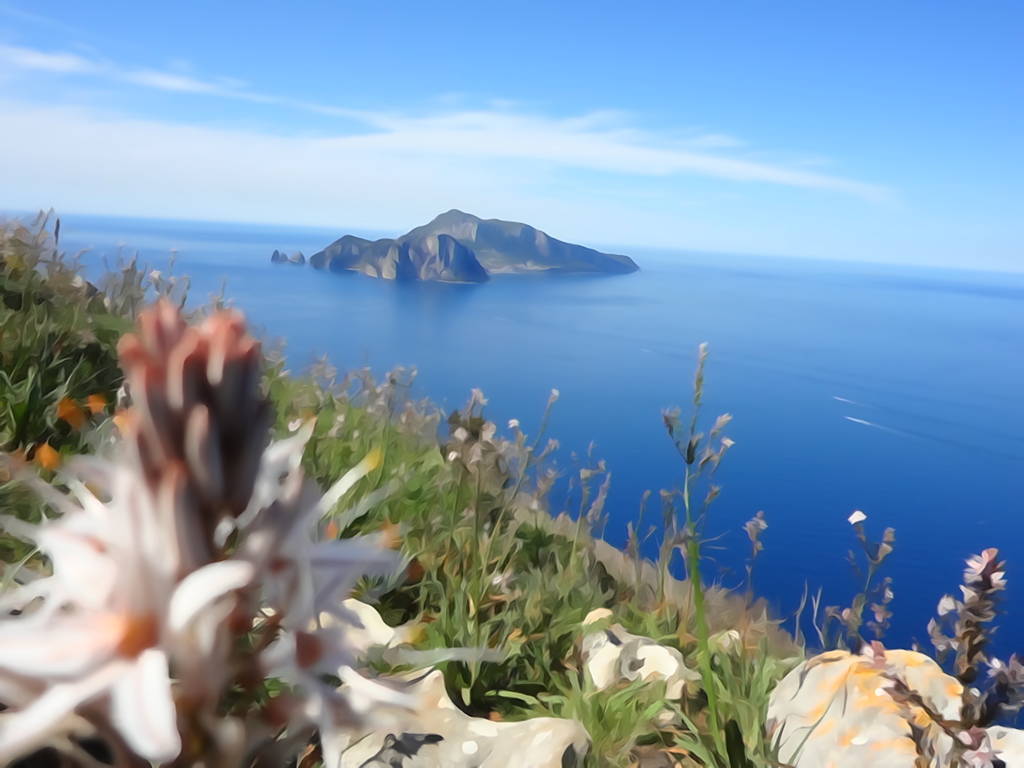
867 130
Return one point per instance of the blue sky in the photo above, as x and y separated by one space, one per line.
873 131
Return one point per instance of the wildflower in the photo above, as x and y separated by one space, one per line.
96 403
874 654
947 604
754 527
69 412
112 620
122 419
47 457
727 641
513 423
160 556
856 517
985 571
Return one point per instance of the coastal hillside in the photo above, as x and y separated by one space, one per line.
458 247
300 544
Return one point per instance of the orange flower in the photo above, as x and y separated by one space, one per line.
96 403
68 410
47 457
123 419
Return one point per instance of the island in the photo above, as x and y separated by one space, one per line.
280 257
458 247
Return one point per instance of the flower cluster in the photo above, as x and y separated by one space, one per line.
984 578
184 571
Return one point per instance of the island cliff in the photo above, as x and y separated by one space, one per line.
457 247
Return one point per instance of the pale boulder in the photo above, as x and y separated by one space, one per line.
833 710
1008 744
613 655
365 629
440 735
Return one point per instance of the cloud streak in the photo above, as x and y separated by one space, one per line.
597 141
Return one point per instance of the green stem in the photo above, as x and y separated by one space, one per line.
693 555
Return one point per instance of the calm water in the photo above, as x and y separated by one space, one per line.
927 362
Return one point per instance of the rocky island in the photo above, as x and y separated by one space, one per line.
280 257
457 247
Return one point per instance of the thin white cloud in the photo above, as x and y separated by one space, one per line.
591 142
65 63
169 81
79 159
43 61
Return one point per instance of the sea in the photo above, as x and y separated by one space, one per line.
892 390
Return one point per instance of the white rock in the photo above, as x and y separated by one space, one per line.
439 735
614 655
833 710
364 627
1009 745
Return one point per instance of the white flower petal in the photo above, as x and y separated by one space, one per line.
200 588
856 517
29 728
369 463
17 598
56 647
142 708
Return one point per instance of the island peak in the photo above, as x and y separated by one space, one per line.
458 247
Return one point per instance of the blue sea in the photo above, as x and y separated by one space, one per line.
892 390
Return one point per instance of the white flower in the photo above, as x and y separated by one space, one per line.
112 620
856 517
513 423
727 640
303 577
946 605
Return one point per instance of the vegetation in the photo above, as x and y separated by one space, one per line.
487 565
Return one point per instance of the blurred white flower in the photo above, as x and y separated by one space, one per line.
149 550
112 620
856 517
302 577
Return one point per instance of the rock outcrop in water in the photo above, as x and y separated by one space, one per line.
458 247
280 257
